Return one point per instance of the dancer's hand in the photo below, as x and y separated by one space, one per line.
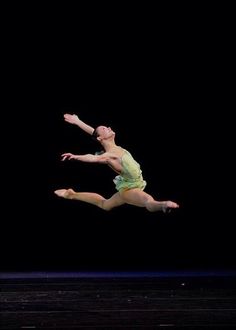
68 156
72 119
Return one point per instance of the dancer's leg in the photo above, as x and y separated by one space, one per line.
140 198
92 198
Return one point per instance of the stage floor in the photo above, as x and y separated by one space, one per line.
118 300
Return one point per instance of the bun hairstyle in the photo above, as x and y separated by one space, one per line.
95 134
94 137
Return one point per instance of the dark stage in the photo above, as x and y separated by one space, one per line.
189 300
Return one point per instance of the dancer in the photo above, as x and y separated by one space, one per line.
129 182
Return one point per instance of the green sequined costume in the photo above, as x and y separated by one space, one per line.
131 174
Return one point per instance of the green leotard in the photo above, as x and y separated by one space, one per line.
131 174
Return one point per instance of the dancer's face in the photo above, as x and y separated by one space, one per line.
105 132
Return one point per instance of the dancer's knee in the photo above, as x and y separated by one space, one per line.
149 204
105 205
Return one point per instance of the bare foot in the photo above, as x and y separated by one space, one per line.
64 193
168 206
165 206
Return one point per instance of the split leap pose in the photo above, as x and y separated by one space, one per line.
129 182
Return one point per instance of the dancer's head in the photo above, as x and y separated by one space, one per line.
103 133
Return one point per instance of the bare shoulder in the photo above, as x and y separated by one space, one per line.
113 155
117 152
106 157
110 155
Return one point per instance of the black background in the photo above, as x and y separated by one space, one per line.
165 88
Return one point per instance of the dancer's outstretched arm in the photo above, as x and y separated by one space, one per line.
74 119
89 158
